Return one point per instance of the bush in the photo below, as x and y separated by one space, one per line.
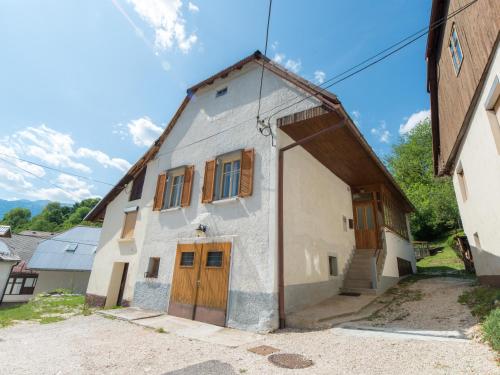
491 329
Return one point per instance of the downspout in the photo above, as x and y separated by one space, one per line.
281 267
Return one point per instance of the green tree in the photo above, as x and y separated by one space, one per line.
17 218
411 164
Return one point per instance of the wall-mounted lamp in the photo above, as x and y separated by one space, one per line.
201 229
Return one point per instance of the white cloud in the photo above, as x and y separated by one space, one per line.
166 65
382 133
144 131
319 76
356 117
193 7
103 159
165 17
293 65
413 120
279 57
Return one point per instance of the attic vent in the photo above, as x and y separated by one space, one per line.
221 92
71 247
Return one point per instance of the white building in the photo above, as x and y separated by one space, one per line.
463 80
220 223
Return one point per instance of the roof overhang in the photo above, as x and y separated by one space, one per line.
343 151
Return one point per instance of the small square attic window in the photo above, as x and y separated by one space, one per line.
221 92
71 247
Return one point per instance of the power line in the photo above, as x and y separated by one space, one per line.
410 39
263 61
42 179
57 170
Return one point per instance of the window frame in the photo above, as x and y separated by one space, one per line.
136 190
453 42
330 273
153 268
172 174
192 264
221 160
221 259
130 236
23 290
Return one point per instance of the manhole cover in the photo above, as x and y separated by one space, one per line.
263 350
288 360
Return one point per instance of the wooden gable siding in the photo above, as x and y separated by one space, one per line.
453 96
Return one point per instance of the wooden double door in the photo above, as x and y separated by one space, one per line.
365 225
200 282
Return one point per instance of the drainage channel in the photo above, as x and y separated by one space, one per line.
453 335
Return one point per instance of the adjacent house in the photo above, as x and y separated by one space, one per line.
463 62
65 260
7 260
22 280
235 223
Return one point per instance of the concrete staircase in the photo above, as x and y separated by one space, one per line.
359 275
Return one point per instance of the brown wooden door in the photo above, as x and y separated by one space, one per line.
201 281
186 274
365 225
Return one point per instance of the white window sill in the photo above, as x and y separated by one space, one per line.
126 240
171 209
226 200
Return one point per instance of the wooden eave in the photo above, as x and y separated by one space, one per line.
343 151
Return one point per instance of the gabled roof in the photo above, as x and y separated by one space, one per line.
5 231
327 98
72 250
24 247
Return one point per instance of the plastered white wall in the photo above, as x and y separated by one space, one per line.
315 201
397 247
111 249
480 161
250 221
76 282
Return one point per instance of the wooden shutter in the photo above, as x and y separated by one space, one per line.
186 188
129 225
160 191
246 178
208 182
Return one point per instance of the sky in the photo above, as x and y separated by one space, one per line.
86 86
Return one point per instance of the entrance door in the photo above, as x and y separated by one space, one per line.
123 280
200 282
365 226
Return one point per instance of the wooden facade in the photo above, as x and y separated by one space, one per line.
454 93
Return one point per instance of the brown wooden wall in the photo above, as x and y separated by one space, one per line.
478 28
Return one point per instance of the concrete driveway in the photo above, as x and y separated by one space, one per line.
99 345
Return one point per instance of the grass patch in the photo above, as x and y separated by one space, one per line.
43 309
160 330
483 302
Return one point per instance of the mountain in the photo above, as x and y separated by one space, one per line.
34 206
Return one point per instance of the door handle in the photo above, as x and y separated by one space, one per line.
198 283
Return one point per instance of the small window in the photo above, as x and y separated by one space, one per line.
129 225
221 92
71 247
344 223
462 182
137 185
477 241
30 282
153 268
187 259
214 259
9 285
351 224
16 288
332 264
173 190
227 178
455 50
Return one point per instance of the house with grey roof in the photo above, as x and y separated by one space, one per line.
65 260
22 280
7 261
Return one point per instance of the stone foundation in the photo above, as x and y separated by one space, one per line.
94 300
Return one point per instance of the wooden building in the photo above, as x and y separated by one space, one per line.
463 82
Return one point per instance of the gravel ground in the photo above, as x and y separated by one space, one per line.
97 345
429 304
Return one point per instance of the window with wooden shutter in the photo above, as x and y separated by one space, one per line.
246 179
137 185
160 190
208 182
129 225
188 183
